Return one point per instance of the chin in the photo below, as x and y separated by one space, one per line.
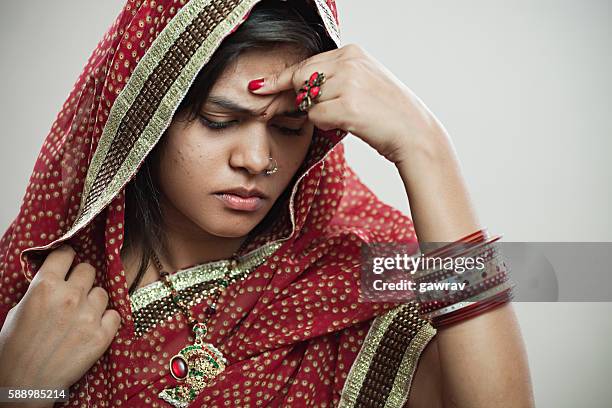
234 225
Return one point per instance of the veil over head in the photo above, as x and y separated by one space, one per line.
294 331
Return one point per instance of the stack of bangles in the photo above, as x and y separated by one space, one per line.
485 288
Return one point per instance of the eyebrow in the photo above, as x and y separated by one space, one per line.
230 105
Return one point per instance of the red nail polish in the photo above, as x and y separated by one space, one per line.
256 84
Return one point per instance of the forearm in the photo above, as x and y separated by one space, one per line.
483 361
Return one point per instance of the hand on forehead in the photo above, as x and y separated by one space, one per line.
231 92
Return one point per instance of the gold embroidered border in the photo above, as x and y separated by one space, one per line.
363 362
161 310
403 380
328 20
169 103
199 274
151 304
142 72
360 366
156 312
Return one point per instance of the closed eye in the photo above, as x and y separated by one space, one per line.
288 131
216 125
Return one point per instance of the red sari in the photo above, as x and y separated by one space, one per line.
295 332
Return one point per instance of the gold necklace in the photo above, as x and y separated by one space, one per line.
197 364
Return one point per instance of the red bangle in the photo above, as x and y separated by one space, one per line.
473 310
485 248
448 249
489 283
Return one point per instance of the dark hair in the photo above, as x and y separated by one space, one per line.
270 23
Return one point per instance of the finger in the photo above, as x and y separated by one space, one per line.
328 115
330 89
83 276
111 321
289 101
294 76
284 102
98 297
57 264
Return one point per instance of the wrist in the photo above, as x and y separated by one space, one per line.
427 148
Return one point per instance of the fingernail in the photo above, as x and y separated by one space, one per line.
256 84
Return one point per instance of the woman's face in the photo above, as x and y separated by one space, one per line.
228 147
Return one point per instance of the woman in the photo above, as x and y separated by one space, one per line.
224 228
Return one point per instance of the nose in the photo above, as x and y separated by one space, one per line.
252 150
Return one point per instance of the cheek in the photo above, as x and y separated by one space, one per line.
293 151
183 171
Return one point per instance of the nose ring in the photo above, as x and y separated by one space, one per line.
274 169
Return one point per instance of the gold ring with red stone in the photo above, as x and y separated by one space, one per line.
310 92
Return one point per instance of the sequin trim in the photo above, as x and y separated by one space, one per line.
403 380
372 380
328 20
151 304
199 274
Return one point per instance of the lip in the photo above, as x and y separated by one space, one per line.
244 192
242 199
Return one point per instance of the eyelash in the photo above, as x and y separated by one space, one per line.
219 126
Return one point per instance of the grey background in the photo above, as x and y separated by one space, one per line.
523 88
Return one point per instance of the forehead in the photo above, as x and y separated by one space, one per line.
253 65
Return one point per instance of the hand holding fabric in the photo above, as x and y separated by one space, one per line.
59 329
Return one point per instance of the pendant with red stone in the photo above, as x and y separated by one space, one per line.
191 355
179 368
195 366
